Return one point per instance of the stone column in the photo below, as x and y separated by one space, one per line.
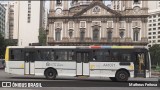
52 5
142 29
64 29
144 4
103 31
128 30
65 5
114 27
89 29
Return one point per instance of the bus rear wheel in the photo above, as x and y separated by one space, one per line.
113 78
122 76
50 74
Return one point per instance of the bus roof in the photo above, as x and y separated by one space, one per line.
83 47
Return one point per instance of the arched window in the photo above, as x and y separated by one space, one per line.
82 35
121 34
71 33
58 35
109 36
135 35
95 35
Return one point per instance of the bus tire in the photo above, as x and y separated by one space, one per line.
122 76
50 74
113 79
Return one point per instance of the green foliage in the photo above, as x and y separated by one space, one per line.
42 36
4 43
155 54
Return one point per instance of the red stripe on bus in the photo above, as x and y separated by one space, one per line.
95 46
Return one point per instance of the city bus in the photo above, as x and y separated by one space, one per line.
116 62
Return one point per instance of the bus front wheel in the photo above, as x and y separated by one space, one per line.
50 74
122 75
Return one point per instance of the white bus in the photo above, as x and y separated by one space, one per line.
116 62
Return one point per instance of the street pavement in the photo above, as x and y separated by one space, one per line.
68 83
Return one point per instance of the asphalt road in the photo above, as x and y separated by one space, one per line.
67 83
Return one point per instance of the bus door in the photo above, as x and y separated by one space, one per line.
82 59
139 64
29 62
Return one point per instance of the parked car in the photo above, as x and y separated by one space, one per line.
2 63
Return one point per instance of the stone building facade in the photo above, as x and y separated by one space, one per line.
92 22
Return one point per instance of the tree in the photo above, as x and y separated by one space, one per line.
42 36
155 54
2 45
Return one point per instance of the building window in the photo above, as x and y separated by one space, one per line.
154 20
135 34
137 1
70 33
82 35
154 24
149 33
121 34
154 28
154 37
109 36
96 9
154 32
58 35
95 35
154 16
59 2
29 11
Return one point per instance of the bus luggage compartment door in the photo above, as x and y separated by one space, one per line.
82 63
29 65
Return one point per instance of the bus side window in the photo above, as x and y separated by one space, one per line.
115 56
12 55
16 55
61 55
126 57
107 56
70 55
98 55
52 55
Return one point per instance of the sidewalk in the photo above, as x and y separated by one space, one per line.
155 73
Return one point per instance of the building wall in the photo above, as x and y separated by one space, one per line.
153 4
2 20
154 27
131 19
29 31
11 19
7 7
